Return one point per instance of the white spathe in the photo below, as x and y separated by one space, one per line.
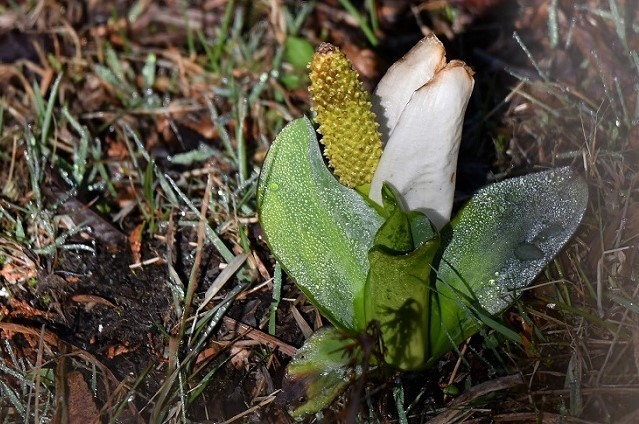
420 104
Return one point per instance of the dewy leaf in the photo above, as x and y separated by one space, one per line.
319 372
319 230
506 234
397 289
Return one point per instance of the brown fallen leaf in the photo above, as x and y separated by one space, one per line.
135 242
121 349
92 300
80 403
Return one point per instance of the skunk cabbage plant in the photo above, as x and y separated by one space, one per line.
369 241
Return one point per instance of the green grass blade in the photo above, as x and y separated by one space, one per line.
48 114
277 294
363 24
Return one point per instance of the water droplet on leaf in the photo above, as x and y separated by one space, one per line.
528 252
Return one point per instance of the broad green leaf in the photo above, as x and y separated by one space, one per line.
496 245
397 289
319 230
319 372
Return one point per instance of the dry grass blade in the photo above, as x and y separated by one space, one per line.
458 406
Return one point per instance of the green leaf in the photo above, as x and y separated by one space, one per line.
397 289
319 372
402 231
202 153
395 234
319 230
497 244
398 295
298 52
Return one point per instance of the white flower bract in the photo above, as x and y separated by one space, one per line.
420 105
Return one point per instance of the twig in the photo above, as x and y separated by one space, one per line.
260 336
